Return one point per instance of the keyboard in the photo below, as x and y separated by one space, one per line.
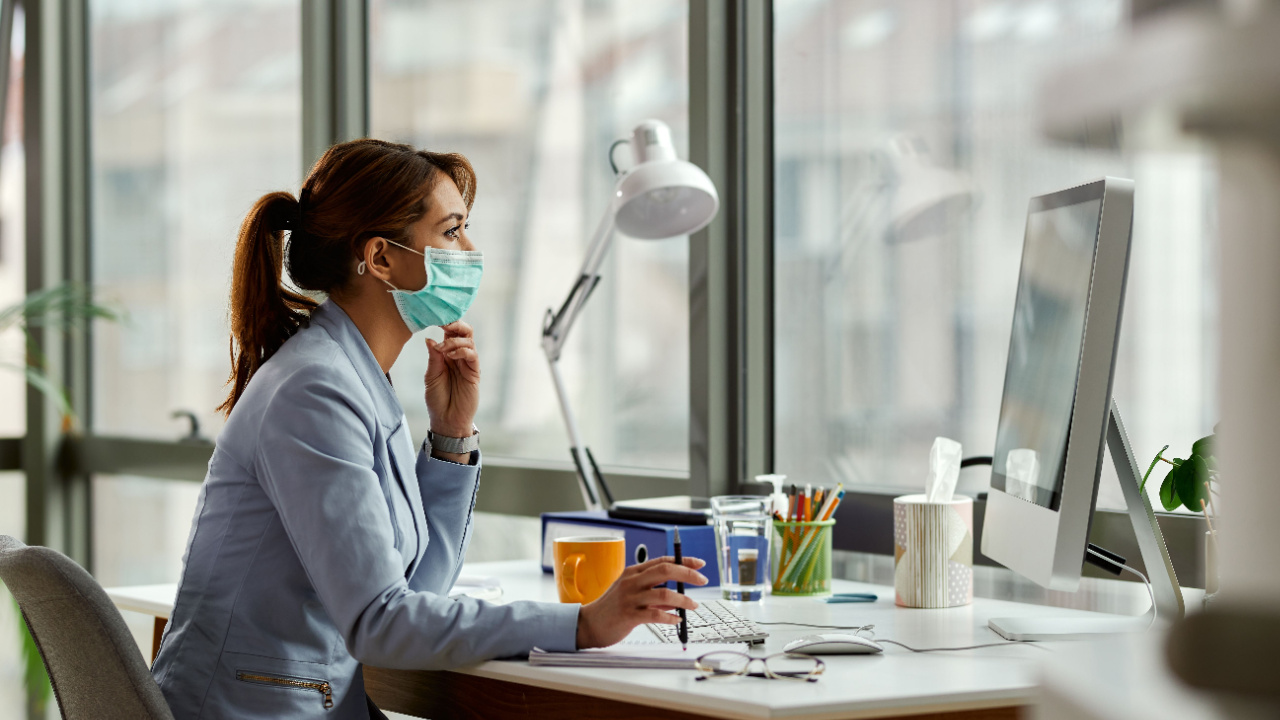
712 622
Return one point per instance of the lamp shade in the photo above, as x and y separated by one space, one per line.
928 198
661 196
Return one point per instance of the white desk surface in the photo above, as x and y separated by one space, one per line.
1126 678
893 683
154 600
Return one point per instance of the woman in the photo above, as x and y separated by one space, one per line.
321 539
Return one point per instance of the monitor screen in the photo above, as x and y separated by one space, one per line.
1045 348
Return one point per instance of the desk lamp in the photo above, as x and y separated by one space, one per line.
659 197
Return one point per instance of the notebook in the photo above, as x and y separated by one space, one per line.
622 655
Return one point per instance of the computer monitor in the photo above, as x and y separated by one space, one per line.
1056 416
1057 381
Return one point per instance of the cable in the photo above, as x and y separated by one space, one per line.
613 147
859 628
1151 591
966 647
870 629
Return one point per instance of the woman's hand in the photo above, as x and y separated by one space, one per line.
633 599
453 381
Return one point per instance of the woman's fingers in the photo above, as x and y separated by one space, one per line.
664 572
692 562
457 329
459 348
667 599
452 345
653 615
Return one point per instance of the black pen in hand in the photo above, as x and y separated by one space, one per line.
683 633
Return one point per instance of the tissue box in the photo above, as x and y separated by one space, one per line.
932 552
644 540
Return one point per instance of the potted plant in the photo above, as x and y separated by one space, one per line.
63 307
1192 482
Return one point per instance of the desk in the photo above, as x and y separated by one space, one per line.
153 600
988 683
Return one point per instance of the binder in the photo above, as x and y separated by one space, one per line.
643 540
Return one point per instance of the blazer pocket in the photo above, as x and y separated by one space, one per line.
288 682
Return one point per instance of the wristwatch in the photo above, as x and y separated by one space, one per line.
456 445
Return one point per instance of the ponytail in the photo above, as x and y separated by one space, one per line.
264 313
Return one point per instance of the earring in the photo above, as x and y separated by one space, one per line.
360 268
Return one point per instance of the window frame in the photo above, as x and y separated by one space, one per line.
731 286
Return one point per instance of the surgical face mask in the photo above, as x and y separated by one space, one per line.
453 278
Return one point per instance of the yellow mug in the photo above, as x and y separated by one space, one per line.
587 565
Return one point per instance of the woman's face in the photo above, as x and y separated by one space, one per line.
444 226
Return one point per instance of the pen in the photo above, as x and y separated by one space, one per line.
851 598
684 620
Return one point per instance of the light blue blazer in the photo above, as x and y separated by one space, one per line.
322 541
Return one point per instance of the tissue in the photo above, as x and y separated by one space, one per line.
944 470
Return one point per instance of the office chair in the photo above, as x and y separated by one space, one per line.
92 660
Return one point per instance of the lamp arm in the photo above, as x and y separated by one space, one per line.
555 329
587 481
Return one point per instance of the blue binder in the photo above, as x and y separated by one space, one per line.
644 540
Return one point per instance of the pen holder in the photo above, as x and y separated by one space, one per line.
802 557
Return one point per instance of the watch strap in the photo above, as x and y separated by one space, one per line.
455 445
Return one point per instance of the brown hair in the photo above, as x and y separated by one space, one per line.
357 191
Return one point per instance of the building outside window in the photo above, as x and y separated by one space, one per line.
534 93
889 335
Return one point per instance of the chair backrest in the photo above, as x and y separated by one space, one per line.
92 659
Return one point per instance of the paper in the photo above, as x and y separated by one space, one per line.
944 470
478 587
667 656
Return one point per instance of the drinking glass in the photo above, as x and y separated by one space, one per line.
742 544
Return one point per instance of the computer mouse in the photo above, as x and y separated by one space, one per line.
833 644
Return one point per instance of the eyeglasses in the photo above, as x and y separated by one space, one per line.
782 666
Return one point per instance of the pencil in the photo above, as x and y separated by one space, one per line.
792 571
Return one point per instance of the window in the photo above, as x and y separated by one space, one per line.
13 277
534 93
13 387
889 335
195 113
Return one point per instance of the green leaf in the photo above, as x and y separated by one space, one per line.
1191 483
39 691
59 306
1168 492
1204 447
45 384
1143 486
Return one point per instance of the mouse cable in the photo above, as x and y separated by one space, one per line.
856 630
966 647
870 629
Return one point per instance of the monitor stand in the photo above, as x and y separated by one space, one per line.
1155 557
